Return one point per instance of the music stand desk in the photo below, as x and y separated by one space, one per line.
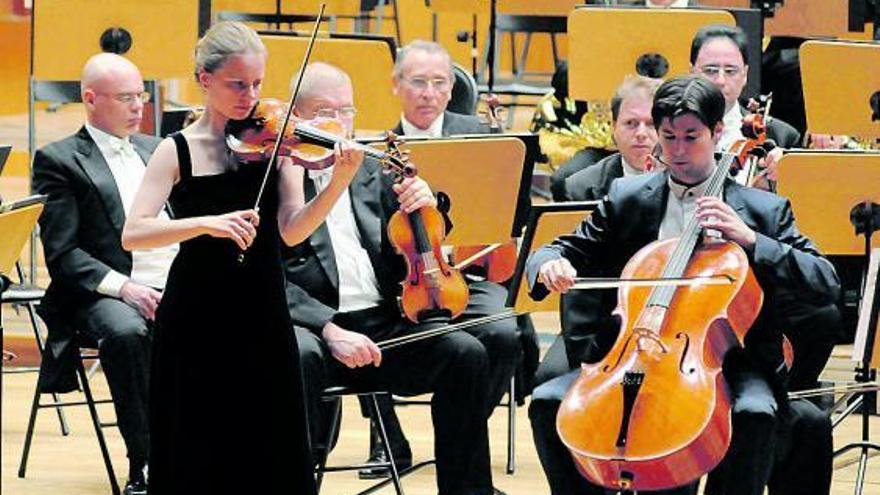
823 187
840 80
617 37
482 178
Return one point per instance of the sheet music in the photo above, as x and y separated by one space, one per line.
864 311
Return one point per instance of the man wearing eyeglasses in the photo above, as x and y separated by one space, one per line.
423 81
720 54
106 293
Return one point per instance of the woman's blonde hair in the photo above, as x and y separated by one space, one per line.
223 40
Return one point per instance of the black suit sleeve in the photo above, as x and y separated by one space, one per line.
307 311
59 226
787 259
581 248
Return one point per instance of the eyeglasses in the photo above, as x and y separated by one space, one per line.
713 71
439 84
129 98
332 113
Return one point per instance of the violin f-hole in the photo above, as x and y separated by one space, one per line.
684 353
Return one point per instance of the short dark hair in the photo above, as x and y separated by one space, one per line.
713 31
688 94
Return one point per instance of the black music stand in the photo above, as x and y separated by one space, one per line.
866 352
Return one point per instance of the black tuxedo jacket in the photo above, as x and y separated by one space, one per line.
629 218
312 276
80 228
593 182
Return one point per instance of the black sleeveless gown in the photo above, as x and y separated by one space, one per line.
227 407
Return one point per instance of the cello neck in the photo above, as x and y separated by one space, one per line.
678 261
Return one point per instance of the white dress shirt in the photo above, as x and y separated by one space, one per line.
731 133
677 4
435 130
149 266
680 207
358 286
629 170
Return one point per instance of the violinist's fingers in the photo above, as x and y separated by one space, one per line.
283 161
413 193
244 227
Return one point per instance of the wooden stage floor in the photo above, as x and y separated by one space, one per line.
72 465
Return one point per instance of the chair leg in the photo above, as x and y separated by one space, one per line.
29 434
331 434
32 315
96 422
511 427
386 444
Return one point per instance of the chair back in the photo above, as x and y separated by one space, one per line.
464 92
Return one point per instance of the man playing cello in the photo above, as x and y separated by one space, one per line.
688 114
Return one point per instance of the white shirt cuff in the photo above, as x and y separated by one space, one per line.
112 284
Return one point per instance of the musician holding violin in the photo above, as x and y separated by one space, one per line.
423 81
342 287
224 305
692 200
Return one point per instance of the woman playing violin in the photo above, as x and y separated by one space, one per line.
637 211
222 311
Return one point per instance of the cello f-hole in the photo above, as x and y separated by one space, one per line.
684 353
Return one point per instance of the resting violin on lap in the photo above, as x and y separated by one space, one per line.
637 211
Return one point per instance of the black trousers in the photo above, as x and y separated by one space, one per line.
454 367
813 331
124 341
500 339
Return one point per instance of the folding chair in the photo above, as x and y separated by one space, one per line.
335 396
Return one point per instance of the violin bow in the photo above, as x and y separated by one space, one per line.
274 156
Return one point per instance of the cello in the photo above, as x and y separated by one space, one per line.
655 412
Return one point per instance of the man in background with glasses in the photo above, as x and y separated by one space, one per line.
423 81
720 54
99 289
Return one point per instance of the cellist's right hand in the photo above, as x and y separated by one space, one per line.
351 348
557 275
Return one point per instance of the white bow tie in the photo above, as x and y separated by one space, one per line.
123 146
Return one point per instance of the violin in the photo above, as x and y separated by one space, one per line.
754 144
432 288
655 412
498 261
309 143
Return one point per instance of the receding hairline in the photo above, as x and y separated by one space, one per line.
320 75
103 65
428 47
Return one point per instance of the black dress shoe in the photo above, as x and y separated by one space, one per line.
137 487
377 472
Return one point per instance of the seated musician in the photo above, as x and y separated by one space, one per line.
423 80
720 54
688 114
99 289
633 134
592 141
342 286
